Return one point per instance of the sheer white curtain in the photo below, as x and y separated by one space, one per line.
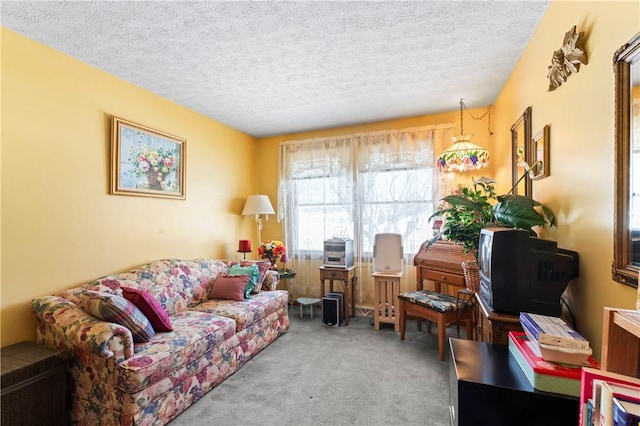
315 194
356 186
398 186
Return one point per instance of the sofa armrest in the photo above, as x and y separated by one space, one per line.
62 324
270 282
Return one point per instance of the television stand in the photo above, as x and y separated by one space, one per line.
492 327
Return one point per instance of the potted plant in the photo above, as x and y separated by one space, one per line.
470 209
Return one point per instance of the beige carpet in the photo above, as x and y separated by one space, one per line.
319 375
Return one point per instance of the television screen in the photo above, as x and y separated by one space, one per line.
484 256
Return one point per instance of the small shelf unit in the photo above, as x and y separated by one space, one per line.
621 341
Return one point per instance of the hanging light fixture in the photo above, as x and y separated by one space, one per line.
463 155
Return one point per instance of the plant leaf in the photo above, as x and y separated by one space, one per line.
517 211
459 200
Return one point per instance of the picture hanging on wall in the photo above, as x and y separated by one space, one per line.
146 162
541 153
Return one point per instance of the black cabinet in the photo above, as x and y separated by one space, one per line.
487 387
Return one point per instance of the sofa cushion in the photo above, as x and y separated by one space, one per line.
113 308
252 271
176 284
229 287
437 301
263 268
248 311
194 335
150 307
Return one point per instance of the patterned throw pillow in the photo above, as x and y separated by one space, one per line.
229 287
254 275
113 308
263 267
150 307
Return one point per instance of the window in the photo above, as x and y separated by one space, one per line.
359 186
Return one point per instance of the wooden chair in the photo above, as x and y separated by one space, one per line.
438 308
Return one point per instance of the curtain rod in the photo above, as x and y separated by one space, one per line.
375 133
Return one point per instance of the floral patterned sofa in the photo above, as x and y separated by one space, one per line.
115 380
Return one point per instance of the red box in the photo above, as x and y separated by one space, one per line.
545 375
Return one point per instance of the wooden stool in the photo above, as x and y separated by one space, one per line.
439 308
387 287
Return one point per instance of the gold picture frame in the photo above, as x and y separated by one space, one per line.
521 153
540 153
146 162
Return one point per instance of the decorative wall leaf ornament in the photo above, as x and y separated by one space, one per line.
566 60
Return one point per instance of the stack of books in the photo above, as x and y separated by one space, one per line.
556 341
545 375
551 354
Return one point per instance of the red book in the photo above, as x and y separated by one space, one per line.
545 375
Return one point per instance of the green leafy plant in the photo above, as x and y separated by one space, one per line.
470 209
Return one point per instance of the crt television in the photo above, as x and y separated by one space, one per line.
521 273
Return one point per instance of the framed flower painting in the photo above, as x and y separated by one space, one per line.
146 162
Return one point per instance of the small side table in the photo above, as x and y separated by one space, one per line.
348 278
33 385
387 288
307 301
289 279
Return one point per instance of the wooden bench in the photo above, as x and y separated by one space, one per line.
438 308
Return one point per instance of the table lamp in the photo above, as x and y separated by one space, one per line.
284 259
257 206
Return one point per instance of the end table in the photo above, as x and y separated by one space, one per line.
348 278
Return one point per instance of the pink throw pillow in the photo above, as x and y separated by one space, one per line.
150 307
229 287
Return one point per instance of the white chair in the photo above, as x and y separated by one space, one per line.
387 270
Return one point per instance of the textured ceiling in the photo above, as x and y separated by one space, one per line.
270 68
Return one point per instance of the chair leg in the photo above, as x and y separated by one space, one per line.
403 318
442 331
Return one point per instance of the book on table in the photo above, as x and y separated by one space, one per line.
551 331
598 387
544 375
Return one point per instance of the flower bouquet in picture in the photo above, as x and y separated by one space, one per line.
157 166
272 250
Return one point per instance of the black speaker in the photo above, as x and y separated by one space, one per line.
331 311
340 296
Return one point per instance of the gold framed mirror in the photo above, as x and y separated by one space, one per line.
521 152
626 227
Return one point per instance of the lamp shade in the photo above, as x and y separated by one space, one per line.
463 156
284 258
257 205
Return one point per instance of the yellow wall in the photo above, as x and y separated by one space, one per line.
580 113
581 116
60 226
